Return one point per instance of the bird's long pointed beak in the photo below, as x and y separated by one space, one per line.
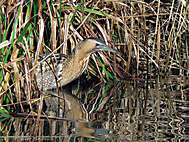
104 47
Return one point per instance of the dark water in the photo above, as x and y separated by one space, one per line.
115 111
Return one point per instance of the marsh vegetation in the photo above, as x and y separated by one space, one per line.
152 38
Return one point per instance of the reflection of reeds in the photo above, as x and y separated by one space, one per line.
137 29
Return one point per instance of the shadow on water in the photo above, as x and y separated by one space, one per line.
115 111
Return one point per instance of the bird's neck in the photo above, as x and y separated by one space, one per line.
81 55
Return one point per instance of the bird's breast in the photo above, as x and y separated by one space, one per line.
72 71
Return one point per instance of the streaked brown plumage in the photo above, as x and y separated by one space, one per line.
65 71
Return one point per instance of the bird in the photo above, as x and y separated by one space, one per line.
63 70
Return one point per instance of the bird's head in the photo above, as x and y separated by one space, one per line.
91 45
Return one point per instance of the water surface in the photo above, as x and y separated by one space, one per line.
134 110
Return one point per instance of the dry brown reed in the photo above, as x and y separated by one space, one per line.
155 31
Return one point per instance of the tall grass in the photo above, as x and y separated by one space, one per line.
148 35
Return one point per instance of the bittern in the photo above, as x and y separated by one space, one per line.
65 71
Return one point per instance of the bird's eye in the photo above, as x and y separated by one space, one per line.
97 44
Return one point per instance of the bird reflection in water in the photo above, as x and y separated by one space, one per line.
76 112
